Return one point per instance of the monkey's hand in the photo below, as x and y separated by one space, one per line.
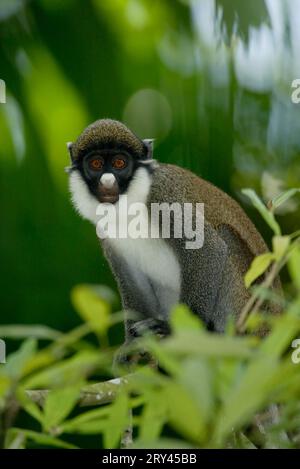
156 326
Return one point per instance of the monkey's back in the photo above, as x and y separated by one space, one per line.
181 185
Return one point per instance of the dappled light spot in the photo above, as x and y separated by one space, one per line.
148 113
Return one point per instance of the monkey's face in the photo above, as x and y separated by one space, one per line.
105 158
107 172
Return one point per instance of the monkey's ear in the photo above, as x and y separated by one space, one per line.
149 143
69 147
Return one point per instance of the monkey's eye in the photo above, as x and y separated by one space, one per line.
119 163
96 164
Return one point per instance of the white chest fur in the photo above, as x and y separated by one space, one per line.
153 256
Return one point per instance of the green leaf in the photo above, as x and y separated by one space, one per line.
265 213
246 398
107 294
20 331
227 374
92 308
92 419
182 318
258 266
153 417
283 332
66 372
59 404
16 362
94 427
5 384
117 422
183 412
293 266
196 377
30 407
165 360
43 439
280 246
14 440
282 198
41 359
242 442
75 424
209 345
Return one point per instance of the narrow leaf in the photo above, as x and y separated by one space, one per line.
182 318
91 307
293 266
153 417
59 404
17 361
283 197
117 421
265 213
258 266
280 246
43 439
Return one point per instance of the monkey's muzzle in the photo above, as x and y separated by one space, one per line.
108 189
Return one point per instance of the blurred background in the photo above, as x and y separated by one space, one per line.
210 80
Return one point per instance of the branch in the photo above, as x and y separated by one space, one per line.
93 394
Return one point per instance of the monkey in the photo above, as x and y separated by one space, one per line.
108 162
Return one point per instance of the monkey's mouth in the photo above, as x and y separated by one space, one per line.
110 194
108 198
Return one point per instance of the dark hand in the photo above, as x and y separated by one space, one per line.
156 326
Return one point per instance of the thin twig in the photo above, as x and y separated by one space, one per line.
127 437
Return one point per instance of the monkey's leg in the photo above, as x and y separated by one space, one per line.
202 278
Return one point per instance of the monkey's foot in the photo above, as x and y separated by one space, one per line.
126 359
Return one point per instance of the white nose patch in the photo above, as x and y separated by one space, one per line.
107 180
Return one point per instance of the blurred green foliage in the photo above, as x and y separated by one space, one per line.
199 390
211 82
160 66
